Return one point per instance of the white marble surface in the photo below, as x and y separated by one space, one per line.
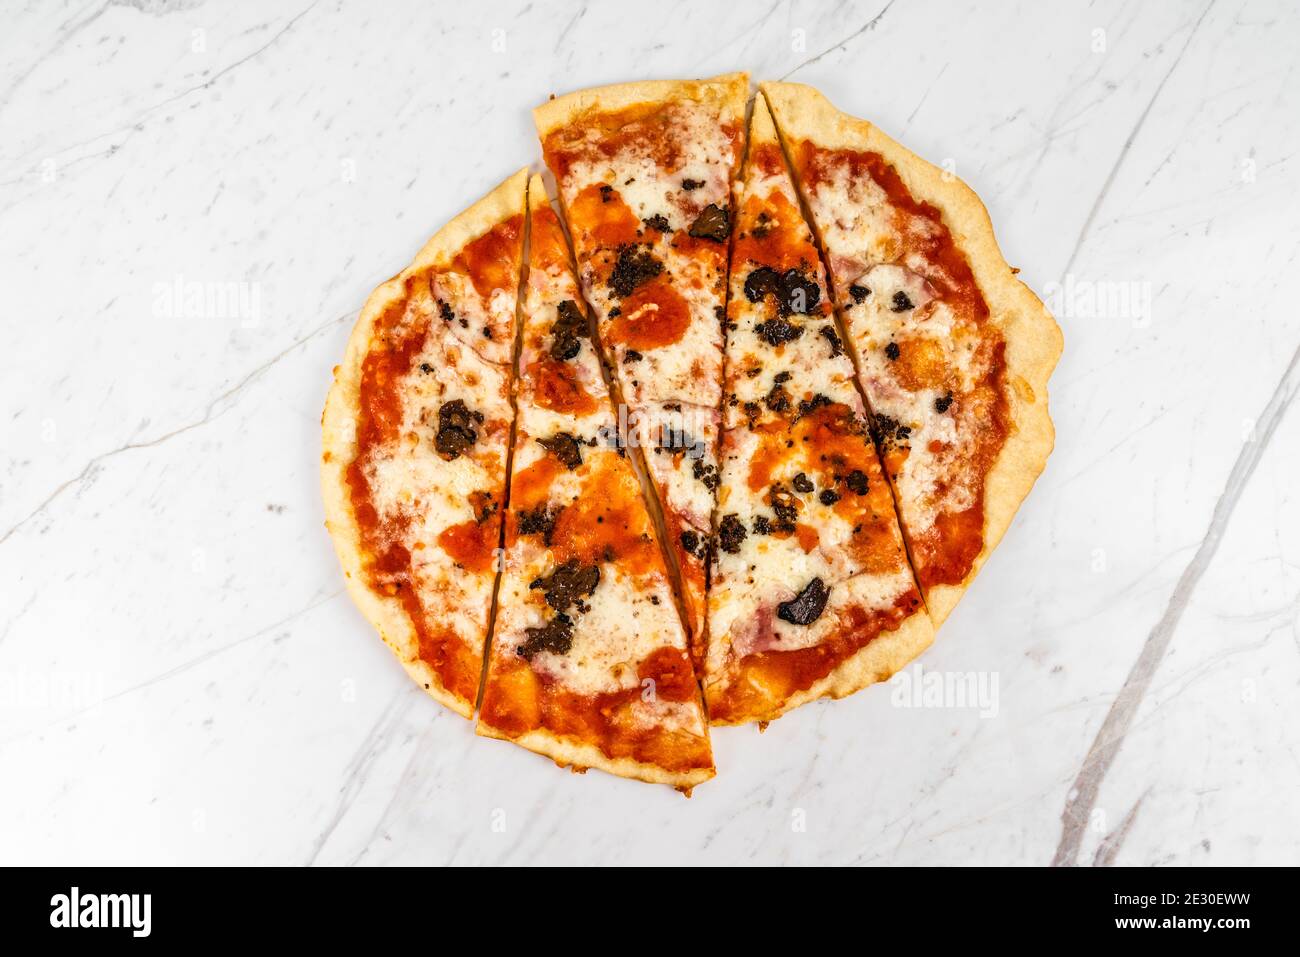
182 678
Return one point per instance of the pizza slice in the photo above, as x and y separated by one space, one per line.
589 661
416 432
811 593
953 352
644 172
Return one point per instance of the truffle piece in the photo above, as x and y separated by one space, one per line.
456 432
807 606
565 448
713 223
731 532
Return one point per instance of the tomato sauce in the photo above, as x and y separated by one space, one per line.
471 544
654 316
602 216
645 127
556 387
492 260
547 246
608 522
529 487
672 673
519 700
768 679
780 240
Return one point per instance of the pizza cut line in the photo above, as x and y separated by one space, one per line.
644 172
739 440
590 662
811 592
953 351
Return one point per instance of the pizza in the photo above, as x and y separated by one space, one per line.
953 352
811 593
416 432
644 173
589 662
730 431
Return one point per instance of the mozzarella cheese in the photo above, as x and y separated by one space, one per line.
872 248
418 493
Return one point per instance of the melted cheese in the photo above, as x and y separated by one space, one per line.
416 491
684 492
867 250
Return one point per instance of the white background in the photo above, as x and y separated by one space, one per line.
182 678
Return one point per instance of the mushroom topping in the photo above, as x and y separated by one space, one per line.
569 583
456 432
569 327
713 223
556 636
807 606
565 448
731 533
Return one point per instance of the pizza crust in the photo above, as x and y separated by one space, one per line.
338 432
879 660
1033 339
564 110
580 756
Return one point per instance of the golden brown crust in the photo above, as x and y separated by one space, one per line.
728 88
878 660
339 442
1033 339
579 755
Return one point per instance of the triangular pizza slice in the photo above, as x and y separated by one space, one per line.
416 433
644 172
811 592
589 660
953 351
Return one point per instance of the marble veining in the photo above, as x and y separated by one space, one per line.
196 200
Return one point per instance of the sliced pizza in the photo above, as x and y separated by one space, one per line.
644 172
953 352
811 593
589 662
416 432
